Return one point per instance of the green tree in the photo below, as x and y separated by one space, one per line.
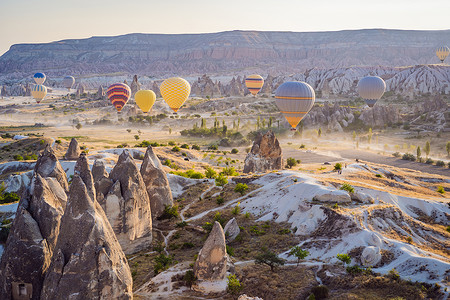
234 287
427 148
291 162
241 188
78 126
419 153
269 258
369 136
319 132
258 123
270 122
299 253
354 136
203 124
136 137
345 258
221 180
210 173
447 147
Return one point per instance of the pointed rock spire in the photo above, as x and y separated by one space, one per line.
48 165
82 169
73 152
156 183
211 263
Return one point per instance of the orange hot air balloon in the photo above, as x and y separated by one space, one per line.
119 94
254 83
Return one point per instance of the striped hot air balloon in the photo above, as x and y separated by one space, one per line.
175 92
38 92
145 99
39 78
254 83
294 99
118 94
68 82
371 88
442 53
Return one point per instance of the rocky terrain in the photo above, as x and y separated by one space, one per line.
224 52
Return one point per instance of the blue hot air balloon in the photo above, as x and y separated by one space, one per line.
39 78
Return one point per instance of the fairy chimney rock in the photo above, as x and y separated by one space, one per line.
73 152
265 154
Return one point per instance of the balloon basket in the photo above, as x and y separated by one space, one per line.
293 129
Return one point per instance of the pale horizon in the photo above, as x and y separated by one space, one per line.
26 21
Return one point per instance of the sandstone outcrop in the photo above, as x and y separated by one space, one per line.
156 183
48 165
88 262
231 230
135 85
127 205
73 152
265 154
370 256
211 263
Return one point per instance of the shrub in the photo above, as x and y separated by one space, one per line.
230 250
169 212
269 258
208 227
354 270
284 231
189 278
145 144
176 149
213 147
440 163
338 166
189 174
236 210
320 292
234 287
182 224
18 157
234 151
408 156
429 161
379 175
409 240
229 171
221 180
241 188
210 173
396 154
218 218
291 162
394 274
171 143
345 258
162 263
347 187
196 147
184 146
440 190
299 253
58 141
220 200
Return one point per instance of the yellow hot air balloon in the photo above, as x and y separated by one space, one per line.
175 91
254 83
442 53
145 99
38 92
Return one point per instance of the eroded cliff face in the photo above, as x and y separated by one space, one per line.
268 52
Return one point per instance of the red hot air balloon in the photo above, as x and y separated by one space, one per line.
118 94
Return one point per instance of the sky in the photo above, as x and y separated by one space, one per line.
42 21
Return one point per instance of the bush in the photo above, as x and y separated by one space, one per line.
208 227
379 175
229 171
58 141
440 163
18 157
291 162
338 166
221 180
162 263
171 143
144 144
299 253
230 250
347 187
184 146
269 258
345 258
196 147
169 212
241 188
396 154
234 151
429 161
210 173
394 274
236 210
408 156
320 292
189 174
176 149
440 190
220 200
354 270
234 287
189 278
213 147
182 224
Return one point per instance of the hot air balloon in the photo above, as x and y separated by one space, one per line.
371 88
254 83
68 82
118 94
39 78
442 53
145 99
175 91
38 92
294 99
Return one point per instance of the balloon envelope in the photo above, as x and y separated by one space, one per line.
68 82
118 94
254 83
294 99
145 99
175 91
38 92
39 78
371 88
442 53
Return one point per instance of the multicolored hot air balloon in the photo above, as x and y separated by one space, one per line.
145 99
254 83
371 88
294 99
39 78
68 82
442 53
118 94
38 92
175 91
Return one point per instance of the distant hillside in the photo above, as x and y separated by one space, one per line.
225 52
